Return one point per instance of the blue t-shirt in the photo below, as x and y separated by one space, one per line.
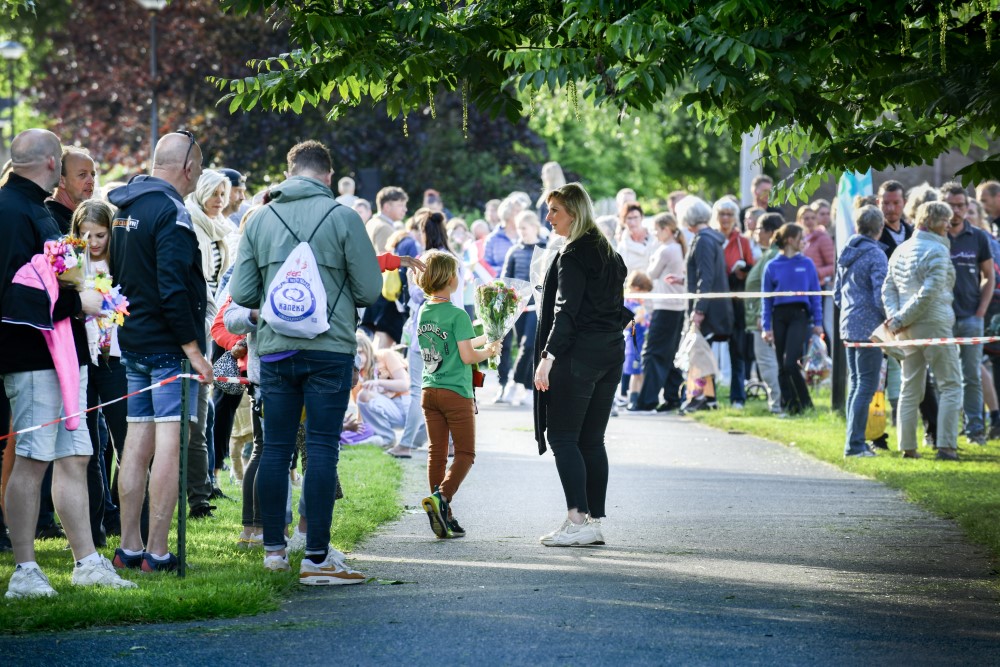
440 327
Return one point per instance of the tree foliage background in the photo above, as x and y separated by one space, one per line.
837 84
89 66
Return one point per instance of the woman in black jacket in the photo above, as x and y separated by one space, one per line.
578 358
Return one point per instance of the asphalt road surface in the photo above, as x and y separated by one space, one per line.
721 550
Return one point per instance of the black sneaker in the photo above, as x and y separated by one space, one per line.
668 406
454 529
437 509
204 512
5 545
217 493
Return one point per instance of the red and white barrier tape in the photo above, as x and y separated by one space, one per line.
928 342
190 376
663 296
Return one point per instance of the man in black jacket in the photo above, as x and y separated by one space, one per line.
155 257
76 185
891 200
30 379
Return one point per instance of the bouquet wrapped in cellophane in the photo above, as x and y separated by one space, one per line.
67 256
113 309
498 305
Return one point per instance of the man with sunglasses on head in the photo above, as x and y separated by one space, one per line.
155 258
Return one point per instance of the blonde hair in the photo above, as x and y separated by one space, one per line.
207 183
552 178
441 268
529 217
668 221
96 211
366 348
580 208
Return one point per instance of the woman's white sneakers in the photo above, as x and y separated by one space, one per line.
571 534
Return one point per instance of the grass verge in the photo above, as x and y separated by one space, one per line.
222 581
966 491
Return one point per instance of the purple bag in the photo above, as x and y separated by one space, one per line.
354 437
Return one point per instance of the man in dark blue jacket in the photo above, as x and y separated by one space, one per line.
155 258
31 382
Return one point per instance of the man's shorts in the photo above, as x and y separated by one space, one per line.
35 398
160 404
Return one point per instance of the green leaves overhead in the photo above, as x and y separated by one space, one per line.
834 84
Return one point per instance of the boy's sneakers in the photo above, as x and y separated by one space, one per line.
455 530
153 564
276 562
437 511
125 562
574 535
99 573
29 583
331 572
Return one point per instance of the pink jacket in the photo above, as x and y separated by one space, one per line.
38 274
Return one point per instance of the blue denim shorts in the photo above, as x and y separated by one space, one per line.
35 398
161 404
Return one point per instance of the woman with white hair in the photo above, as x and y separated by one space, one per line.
706 274
738 255
205 205
917 295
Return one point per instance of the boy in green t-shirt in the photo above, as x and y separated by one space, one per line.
447 346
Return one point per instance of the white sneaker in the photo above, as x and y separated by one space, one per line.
573 535
276 563
331 572
31 583
501 396
596 523
297 542
100 573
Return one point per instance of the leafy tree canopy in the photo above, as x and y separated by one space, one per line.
839 84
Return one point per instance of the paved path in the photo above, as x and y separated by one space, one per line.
721 549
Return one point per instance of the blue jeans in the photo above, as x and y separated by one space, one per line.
864 366
972 381
320 381
415 429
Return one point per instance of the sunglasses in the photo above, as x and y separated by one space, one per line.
190 135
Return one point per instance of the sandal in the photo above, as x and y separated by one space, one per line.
399 452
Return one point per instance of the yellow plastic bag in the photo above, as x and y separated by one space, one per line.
876 417
392 285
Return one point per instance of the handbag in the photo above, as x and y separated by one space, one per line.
226 366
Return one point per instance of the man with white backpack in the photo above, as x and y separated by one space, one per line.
305 263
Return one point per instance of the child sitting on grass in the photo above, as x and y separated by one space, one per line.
447 346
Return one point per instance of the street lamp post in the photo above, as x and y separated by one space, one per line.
152 6
11 52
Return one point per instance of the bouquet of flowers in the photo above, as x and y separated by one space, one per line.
113 310
67 256
498 305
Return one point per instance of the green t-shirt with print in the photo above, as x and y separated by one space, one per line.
439 329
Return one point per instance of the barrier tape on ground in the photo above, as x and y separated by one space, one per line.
190 376
663 296
928 342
